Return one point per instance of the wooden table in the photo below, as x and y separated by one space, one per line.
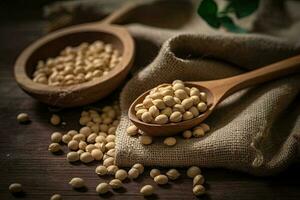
24 157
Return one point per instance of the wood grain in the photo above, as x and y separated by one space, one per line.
24 157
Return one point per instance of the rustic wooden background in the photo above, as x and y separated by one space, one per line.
23 148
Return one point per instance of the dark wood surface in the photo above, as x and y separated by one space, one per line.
23 148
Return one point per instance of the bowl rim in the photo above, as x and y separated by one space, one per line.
26 83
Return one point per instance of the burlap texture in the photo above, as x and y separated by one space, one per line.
254 130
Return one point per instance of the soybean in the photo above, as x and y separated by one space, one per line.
133 173
173 174
77 183
121 174
23 118
72 156
112 169
154 173
15 188
56 137
55 119
145 139
193 171
139 167
147 190
115 184
56 197
86 157
54 147
198 180
161 179
101 170
170 141
102 188
198 190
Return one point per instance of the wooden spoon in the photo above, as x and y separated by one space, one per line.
53 43
217 90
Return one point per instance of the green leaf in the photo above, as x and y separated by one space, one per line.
228 23
208 10
244 8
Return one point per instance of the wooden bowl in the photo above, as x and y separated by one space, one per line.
52 44
79 94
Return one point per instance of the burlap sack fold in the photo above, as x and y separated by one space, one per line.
251 131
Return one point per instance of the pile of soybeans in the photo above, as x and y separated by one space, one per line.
171 103
95 142
78 64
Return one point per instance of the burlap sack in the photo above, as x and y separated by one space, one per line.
254 130
251 131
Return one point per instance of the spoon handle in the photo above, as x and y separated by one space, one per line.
225 87
120 13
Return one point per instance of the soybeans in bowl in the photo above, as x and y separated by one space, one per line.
77 64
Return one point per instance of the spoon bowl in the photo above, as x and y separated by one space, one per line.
171 128
50 46
216 91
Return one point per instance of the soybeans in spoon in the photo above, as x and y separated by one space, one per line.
216 91
171 103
